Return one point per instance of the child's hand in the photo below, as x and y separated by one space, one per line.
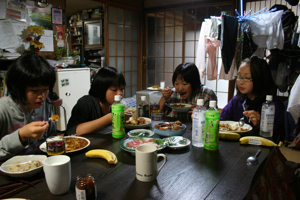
167 92
33 130
254 117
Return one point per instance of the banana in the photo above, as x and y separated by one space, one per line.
257 141
102 153
229 136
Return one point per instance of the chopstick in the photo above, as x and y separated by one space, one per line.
17 189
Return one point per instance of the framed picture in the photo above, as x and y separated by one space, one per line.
57 16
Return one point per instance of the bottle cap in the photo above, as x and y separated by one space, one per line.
213 104
117 97
200 102
269 98
143 98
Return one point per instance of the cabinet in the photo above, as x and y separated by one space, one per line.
76 36
71 84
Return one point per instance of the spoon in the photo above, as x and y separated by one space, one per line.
242 122
252 160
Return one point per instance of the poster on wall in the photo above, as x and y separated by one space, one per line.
60 36
16 10
40 16
57 16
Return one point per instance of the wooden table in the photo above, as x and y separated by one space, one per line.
190 173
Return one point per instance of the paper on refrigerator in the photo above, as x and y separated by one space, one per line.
8 37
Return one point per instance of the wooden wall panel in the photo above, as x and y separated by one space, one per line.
55 4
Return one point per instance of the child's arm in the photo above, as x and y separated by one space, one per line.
94 125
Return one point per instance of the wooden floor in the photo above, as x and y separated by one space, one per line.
290 154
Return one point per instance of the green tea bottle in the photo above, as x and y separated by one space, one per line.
118 118
211 131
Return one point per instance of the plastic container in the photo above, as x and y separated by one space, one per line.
267 117
198 124
143 108
118 118
212 122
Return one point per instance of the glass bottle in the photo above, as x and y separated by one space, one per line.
143 108
85 187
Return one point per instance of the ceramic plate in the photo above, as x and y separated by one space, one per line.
80 142
23 159
151 88
177 142
131 126
180 107
140 133
234 126
168 133
130 144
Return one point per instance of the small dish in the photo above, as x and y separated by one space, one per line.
180 107
140 133
23 159
130 144
177 142
168 133
131 126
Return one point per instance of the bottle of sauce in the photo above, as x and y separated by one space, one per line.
211 131
85 187
118 118
143 108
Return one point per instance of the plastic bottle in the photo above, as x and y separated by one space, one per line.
267 117
198 124
118 118
211 132
143 108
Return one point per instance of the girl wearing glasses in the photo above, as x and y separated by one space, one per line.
253 82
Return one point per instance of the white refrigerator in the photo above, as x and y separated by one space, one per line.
71 84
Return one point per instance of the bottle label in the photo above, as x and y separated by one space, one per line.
118 120
211 136
198 127
80 194
267 118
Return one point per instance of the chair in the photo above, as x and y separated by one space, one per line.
58 102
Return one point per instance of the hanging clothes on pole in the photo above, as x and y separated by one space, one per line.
228 40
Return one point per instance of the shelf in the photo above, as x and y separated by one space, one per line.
76 35
76 44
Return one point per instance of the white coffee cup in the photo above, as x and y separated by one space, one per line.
146 162
57 171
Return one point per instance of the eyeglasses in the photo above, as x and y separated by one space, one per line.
245 80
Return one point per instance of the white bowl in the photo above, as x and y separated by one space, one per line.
186 107
20 159
169 133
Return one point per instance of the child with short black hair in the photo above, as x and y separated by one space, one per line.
25 112
93 112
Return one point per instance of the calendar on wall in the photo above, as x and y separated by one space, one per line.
47 40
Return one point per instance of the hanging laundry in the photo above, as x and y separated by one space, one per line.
268 31
200 57
228 40
211 46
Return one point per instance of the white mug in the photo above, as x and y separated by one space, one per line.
146 162
57 171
